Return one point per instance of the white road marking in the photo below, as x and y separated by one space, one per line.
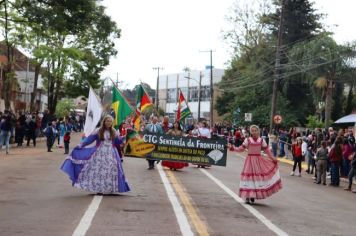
178 210
88 216
252 210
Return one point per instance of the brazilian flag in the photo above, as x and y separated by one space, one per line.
121 107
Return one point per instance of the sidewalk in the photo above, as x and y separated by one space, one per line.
305 166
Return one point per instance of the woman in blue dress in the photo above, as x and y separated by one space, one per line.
98 169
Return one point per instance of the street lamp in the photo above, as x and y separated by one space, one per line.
199 88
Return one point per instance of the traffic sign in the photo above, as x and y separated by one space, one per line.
277 119
248 116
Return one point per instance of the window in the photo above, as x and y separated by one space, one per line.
204 94
171 95
193 94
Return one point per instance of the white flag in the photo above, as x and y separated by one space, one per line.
94 111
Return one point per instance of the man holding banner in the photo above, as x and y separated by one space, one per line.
155 128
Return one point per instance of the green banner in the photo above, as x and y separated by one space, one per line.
173 148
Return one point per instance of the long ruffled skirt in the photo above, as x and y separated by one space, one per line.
259 178
102 172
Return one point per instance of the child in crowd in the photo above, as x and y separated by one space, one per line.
66 140
297 156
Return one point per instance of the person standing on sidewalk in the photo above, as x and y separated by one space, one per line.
335 158
311 153
31 131
297 156
321 163
273 139
260 175
352 172
282 143
5 130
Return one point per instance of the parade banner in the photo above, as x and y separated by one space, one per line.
173 148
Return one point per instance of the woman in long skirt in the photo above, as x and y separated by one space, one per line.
98 169
260 175
175 165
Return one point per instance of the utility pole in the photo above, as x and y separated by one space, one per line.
211 88
199 93
186 69
277 64
157 87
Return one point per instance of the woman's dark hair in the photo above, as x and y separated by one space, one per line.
337 145
177 122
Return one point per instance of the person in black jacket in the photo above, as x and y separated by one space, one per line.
51 133
31 131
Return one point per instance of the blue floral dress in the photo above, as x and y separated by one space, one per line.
97 169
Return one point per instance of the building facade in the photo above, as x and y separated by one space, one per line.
25 78
188 82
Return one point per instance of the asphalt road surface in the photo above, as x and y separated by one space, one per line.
37 199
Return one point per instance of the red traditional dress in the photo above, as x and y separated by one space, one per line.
175 165
260 175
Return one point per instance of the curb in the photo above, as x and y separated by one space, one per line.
305 166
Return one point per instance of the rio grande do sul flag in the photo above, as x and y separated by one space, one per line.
143 101
183 109
94 111
121 107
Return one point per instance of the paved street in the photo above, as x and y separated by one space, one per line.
36 198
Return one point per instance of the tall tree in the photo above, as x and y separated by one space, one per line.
327 65
79 45
300 23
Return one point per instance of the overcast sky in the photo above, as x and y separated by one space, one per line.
171 34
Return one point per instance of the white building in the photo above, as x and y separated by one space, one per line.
188 82
26 81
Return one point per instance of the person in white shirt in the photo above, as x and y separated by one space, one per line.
304 148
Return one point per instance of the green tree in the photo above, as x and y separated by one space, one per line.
326 64
78 46
64 107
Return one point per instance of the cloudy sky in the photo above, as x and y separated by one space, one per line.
171 34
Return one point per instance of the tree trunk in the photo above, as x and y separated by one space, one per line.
350 97
33 94
8 74
50 91
328 101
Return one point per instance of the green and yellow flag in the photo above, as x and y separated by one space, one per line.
121 107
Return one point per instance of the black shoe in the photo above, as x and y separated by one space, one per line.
318 182
150 168
247 201
252 200
49 151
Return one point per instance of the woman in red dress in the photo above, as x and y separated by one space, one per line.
260 175
173 165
